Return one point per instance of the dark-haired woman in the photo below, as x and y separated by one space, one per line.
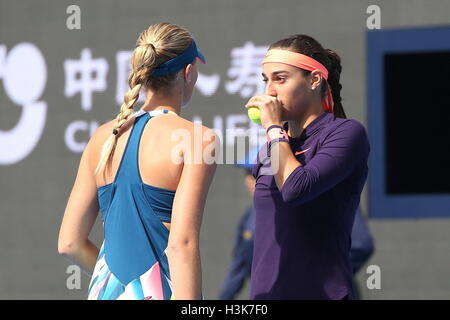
309 176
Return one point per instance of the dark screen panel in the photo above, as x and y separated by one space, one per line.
417 116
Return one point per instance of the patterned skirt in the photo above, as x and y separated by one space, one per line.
151 285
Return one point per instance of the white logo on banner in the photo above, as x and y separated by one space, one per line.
207 85
86 83
246 69
24 74
88 75
85 75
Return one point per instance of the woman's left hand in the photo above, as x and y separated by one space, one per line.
270 107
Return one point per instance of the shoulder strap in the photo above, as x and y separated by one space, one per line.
129 166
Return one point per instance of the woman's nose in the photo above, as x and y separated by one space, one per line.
270 90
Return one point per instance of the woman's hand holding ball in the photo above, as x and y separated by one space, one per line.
265 110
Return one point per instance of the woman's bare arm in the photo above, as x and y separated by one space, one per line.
183 248
79 217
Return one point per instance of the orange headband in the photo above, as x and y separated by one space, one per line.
301 61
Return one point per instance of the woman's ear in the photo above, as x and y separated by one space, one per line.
316 79
188 73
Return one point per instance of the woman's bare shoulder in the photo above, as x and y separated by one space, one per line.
98 138
102 133
177 122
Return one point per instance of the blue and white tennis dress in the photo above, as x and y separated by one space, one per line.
132 262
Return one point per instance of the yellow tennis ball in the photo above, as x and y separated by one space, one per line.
254 114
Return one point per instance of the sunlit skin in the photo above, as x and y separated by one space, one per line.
289 96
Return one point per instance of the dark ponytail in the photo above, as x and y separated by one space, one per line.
330 59
334 74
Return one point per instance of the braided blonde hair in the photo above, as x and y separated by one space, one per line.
155 45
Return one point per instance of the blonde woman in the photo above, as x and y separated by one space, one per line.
150 191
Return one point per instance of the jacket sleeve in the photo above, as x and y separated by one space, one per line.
336 158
